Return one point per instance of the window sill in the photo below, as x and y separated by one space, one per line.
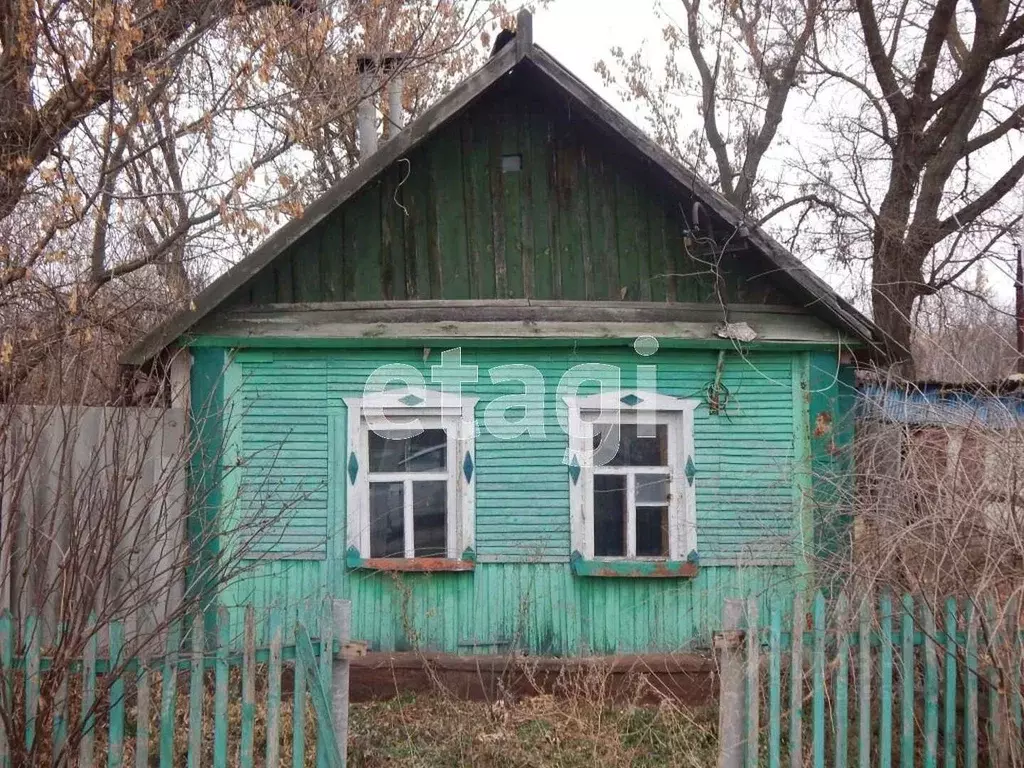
633 569
410 564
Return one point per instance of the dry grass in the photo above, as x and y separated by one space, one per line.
436 730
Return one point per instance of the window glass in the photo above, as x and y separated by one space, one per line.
652 531
620 445
387 520
610 515
652 489
425 452
429 501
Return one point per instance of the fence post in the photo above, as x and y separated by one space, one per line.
729 649
341 613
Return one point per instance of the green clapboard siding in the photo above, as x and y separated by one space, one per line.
582 219
287 426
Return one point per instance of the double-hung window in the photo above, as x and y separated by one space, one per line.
632 476
409 470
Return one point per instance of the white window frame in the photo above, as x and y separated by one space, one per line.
434 410
632 406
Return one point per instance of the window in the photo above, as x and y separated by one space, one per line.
632 476
410 471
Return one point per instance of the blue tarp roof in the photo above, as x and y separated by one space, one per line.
941 406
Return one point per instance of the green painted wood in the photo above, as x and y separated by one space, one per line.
931 689
949 739
753 701
220 695
6 670
775 684
327 742
60 702
32 641
169 694
885 683
864 682
274 689
248 714
326 663
994 637
287 442
196 693
299 715
818 672
576 221
117 693
841 713
907 680
87 714
142 694
796 684
971 672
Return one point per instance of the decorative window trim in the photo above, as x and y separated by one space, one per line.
454 414
661 409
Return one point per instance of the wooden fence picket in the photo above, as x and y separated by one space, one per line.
248 687
326 668
864 683
274 690
32 662
818 694
196 690
753 684
115 733
949 740
142 693
796 685
111 676
60 704
220 696
6 659
87 718
842 680
932 645
775 686
168 695
885 684
907 681
971 688
298 714
931 689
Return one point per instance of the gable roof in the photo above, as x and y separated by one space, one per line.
521 52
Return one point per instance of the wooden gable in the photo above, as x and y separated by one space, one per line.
516 198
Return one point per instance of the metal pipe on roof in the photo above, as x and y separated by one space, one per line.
396 84
366 112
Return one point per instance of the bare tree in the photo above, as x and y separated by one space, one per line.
966 337
906 153
748 59
144 145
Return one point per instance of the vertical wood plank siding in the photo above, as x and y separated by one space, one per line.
579 220
522 593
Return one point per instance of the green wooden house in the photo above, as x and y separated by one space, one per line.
520 381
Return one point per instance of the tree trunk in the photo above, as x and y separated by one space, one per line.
892 302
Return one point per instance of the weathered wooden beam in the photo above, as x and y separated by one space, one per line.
300 327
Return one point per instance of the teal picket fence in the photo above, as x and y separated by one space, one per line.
879 682
207 696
